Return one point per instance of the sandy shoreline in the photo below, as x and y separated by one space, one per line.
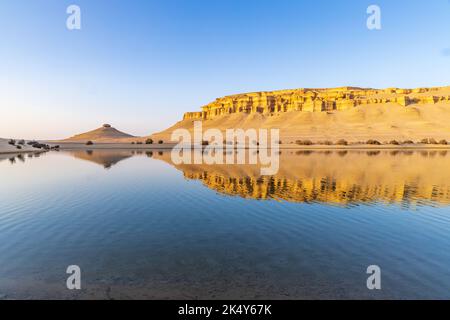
82 146
6 149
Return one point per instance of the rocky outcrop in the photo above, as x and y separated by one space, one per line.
317 100
105 133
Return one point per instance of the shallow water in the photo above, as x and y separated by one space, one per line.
140 227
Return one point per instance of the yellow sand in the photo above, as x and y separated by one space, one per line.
350 113
382 122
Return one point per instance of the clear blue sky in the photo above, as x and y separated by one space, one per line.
140 64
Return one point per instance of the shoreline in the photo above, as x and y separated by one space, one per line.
20 151
167 146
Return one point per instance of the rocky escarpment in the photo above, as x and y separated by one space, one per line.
350 113
317 100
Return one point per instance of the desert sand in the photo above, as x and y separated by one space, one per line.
349 113
111 144
105 133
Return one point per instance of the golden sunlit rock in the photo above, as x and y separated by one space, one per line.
351 113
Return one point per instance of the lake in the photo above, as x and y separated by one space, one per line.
140 227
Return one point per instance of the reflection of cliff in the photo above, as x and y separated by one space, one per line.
343 177
106 158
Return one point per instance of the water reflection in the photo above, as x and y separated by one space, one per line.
106 158
141 227
18 157
340 177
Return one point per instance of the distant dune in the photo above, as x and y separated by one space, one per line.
106 133
350 113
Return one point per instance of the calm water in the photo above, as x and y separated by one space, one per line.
141 227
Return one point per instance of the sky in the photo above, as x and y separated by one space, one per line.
139 65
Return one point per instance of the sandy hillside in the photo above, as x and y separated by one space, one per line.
382 122
106 133
414 114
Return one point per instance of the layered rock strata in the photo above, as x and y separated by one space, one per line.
316 100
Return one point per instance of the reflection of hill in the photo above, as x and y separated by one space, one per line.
106 158
340 177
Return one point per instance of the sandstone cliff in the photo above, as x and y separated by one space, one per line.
351 113
317 100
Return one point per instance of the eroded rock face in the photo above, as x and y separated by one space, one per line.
317 100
